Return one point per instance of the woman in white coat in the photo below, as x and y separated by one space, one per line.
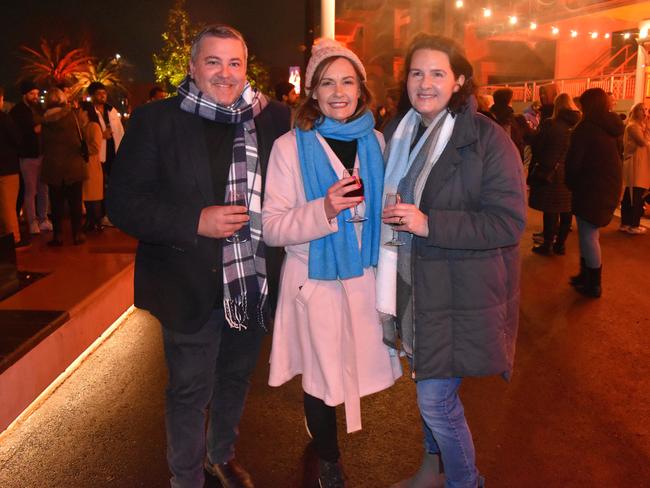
326 324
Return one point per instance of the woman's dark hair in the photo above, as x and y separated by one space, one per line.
309 113
457 60
594 103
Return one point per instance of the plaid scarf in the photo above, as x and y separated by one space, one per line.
245 288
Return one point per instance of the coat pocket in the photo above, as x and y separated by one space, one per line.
305 292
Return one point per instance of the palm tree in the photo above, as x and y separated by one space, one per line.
54 63
107 71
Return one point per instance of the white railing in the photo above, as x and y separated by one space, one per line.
620 85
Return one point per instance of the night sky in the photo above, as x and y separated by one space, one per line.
274 29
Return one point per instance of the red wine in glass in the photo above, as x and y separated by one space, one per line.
357 192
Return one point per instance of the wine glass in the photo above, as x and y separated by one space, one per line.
236 198
357 192
391 200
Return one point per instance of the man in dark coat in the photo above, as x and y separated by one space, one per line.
178 162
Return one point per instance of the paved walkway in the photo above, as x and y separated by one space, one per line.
575 414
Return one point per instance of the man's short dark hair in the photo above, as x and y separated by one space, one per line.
94 86
502 96
283 89
222 31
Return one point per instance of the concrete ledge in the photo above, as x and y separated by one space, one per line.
24 381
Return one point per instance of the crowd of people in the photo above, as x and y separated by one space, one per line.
355 239
57 154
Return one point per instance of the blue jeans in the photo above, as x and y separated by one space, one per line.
446 431
209 372
588 236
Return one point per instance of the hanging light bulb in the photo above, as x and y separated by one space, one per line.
607 35
574 33
513 20
626 35
487 12
459 4
555 31
594 35
533 25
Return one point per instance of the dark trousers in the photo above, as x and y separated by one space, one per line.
321 420
209 374
59 195
632 206
93 213
556 227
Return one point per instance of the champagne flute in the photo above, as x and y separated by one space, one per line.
391 200
357 192
236 198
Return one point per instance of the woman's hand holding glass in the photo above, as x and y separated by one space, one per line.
406 217
336 201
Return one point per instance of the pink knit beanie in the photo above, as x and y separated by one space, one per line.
324 48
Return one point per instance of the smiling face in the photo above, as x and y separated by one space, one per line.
338 90
431 82
219 69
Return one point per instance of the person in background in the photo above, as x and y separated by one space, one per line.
285 92
326 325
548 190
188 176
636 169
9 179
451 292
515 125
112 130
93 185
388 111
27 116
157 93
594 177
63 164
533 114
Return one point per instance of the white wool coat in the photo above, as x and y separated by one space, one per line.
328 331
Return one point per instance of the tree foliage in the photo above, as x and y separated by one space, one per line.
172 62
54 62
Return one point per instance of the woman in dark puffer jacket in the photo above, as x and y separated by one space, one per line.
594 176
548 191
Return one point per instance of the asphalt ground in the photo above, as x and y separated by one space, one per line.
576 413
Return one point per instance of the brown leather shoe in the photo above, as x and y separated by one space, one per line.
230 474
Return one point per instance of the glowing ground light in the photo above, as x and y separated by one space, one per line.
487 12
533 25
555 30
512 19
459 4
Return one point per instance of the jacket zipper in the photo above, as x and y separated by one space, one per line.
413 309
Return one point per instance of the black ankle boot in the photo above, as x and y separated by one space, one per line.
543 249
579 279
330 475
591 285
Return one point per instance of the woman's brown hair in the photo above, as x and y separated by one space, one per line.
309 113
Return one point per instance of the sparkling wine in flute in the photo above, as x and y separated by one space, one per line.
391 200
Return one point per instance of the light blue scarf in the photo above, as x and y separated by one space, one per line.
337 256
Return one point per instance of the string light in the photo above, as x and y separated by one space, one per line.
643 33
574 33
459 4
607 35
555 31
533 25
594 35
512 19
487 12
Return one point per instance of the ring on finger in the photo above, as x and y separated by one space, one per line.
401 221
